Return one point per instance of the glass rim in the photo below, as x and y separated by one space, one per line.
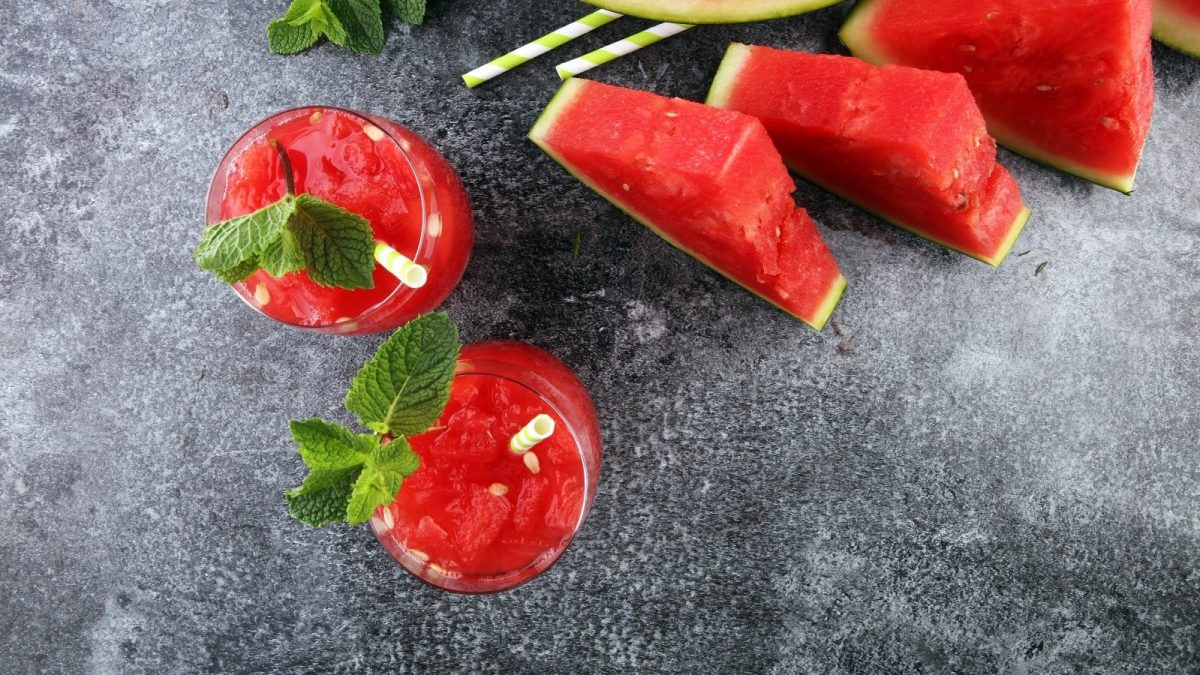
401 292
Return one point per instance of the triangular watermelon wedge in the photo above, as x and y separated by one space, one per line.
1065 82
1177 23
708 181
712 11
906 144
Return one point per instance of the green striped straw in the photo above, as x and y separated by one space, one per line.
406 271
538 47
618 49
539 429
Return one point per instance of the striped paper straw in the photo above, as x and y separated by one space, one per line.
408 272
539 46
618 49
538 430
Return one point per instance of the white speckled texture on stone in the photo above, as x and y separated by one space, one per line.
973 470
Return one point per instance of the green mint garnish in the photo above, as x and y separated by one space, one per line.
403 389
351 474
303 24
409 11
298 232
354 24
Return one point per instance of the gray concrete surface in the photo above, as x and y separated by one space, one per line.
978 470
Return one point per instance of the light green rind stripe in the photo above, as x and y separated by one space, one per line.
712 11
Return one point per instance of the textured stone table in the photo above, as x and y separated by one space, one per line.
977 469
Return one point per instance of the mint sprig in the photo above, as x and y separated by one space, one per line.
298 232
405 387
400 392
356 25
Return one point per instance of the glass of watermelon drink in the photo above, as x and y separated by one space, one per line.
477 517
371 166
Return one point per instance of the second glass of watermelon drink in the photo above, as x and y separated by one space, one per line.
477 517
371 166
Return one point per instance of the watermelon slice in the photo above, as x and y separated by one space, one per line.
1065 82
712 11
908 145
1177 23
706 180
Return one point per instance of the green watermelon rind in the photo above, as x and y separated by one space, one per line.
718 96
855 34
1176 30
538 134
708 11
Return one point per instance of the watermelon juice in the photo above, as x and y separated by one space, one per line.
477 517
371 166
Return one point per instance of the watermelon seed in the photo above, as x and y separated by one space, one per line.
991 16
968 69
315 117
373 132
672 113
955 174
1109 123
437 569
1099 80
1041 267
1045 87
498 489
625 186
262 294
422 556
970 49
532 463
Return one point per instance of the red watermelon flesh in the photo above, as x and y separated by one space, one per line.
1065 82
909 145
707 180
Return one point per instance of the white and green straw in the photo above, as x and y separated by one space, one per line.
539 46
620 48
539 429
408 272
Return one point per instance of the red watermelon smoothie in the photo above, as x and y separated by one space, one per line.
477 517
376 168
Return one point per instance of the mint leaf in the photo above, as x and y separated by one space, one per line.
304 22
380 480
409 11
396 458
324 445
363 22
230 244
338 246
297 232
324 496
286 38
238 274
282 256
404 388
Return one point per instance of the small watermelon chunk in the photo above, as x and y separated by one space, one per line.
712 11
708 181
1177 23
909 145
1065 82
